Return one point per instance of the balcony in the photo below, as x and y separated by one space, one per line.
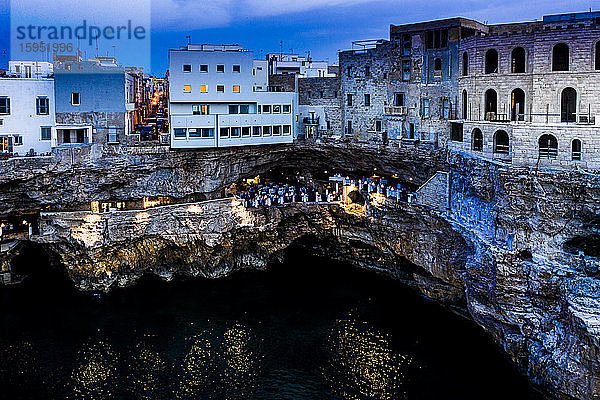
398 110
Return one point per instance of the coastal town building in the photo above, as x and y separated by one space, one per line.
217 98
529 93
319 107
95 102
27 117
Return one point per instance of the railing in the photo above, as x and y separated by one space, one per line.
397 110
549 153
502 149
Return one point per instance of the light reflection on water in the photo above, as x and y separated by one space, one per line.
316 332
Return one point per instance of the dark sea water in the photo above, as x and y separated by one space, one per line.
305 330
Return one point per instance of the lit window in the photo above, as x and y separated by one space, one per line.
277 109
220 89
75 98
204 89
236 89
187 88
187 68
200 109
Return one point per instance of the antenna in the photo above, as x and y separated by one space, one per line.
189 38
281 48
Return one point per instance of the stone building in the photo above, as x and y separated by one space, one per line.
529 93
404 89
319 107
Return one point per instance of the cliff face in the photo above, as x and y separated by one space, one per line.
516 251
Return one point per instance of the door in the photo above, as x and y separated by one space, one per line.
6 144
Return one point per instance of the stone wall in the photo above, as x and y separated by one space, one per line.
101 122
322 97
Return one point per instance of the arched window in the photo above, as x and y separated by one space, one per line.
491 61
568 105
517 101
477 140
560 57
517 64
501 142
548 146
491 105
597 55
465 65
576 151
464 104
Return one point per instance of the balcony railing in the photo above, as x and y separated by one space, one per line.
397 110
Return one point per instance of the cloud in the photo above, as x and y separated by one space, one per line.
183 15
280 7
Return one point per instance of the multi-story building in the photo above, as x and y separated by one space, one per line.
215 101
294 64
26 110
95 102
319 107
404 89
529 92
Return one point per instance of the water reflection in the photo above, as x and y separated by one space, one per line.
363 362
95 372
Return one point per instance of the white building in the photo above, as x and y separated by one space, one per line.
304 67
215 100
27 115
30 69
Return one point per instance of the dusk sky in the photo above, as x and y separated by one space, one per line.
322 27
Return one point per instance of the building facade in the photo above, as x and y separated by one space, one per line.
404 89
529 93
26 113
319 107
94 102
215 100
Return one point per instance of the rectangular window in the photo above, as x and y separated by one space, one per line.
335 94
187 68
234 109
349 129
321 94
200 109
224 132
244 108
220 89
179 132
287 129
349 100
399 99
426 113
235 132
277 109
208 132
42 106
406 44
367 100
18 139
76 98
112 134
203 88
203 68
237 68
4 105
236 89
287 108
194 132
187 88
349 72
277 130
266 131
220 68
46 133
266 109
406 70
367 71
445 108
378 126
260 109
411 131
245 131
256 130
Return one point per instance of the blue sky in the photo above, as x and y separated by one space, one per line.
322 27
